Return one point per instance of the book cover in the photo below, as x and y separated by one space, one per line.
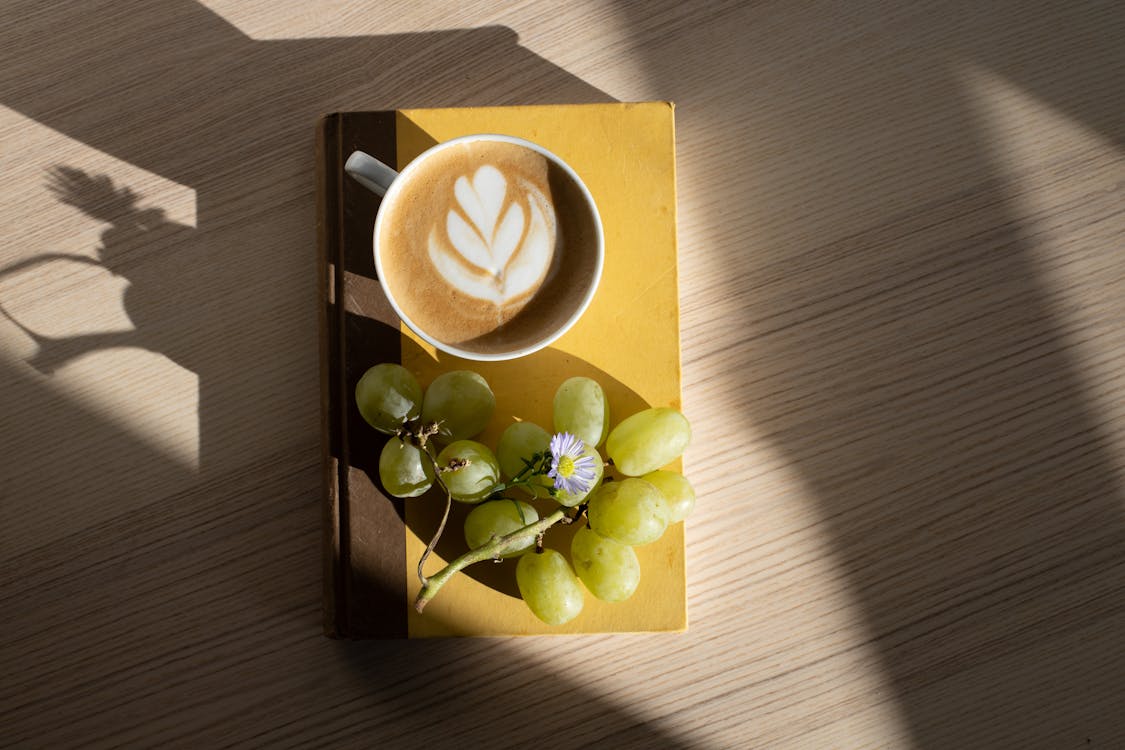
628 341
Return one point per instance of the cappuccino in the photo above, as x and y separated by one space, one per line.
488 245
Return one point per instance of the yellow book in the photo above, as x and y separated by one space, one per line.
628 340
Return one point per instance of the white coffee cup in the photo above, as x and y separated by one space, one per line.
384 181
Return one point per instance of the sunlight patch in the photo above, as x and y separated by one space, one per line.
1064 183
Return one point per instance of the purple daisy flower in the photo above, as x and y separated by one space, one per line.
572 471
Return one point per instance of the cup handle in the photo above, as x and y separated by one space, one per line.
370 172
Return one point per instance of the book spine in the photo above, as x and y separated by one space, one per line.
328 265
372 528
364 582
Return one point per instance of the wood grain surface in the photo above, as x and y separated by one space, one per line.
902 232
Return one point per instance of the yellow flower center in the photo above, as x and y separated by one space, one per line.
565 467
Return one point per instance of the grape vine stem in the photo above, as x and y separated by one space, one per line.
536 464
437 537
518 539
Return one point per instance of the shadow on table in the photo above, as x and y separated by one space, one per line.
450 692
200 578
904 347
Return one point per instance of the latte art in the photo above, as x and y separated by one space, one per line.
498 240
488 245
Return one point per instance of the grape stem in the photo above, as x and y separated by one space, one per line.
437 536
438 471
419 439
532 467
499 546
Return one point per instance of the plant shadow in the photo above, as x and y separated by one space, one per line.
165 602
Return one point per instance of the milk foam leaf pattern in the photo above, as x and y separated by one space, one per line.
490 241
482 200
528 268
498 239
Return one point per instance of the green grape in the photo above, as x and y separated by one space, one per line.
648 440
387 396
474 482
571 499
498 518
581 409
538 486
404 469
461 401
631 511
609 569
677 491
549 586
520 441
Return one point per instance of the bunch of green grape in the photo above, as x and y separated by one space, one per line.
459 403
625 502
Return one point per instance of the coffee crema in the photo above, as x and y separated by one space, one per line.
489 245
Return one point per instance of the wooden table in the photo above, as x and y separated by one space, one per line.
902 232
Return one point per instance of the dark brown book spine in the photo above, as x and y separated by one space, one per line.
328 244
364 529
